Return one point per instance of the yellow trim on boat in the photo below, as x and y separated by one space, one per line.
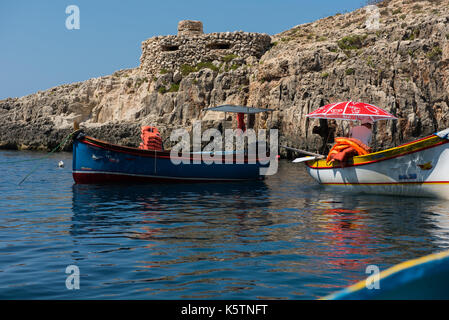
383 154
394 269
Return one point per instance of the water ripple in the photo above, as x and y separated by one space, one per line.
284 238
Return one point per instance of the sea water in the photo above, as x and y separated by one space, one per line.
282 238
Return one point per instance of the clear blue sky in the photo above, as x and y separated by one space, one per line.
37 52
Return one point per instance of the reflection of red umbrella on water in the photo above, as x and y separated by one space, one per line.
350 110
347 227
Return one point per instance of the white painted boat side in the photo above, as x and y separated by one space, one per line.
421 173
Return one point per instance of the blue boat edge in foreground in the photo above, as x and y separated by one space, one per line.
97 161
425 278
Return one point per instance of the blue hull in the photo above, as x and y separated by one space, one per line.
426 278
96 161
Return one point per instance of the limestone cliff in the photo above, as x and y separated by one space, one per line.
402 66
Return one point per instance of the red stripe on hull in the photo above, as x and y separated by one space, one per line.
105 178
385 183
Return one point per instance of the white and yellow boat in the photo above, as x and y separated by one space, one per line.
418 168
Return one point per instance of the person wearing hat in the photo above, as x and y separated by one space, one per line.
363 132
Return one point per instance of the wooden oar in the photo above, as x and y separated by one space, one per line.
311 155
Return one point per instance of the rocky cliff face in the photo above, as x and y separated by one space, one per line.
402 66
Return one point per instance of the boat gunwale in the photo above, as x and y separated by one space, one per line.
439 141
154 153
394 272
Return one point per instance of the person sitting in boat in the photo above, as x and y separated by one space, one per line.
363 132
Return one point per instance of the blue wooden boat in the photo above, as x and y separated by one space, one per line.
425 278
96 161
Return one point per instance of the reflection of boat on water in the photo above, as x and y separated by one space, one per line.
419 168
344 227
88 197
106 206
376 231
422 278
348 241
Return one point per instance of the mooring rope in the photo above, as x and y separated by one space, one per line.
61 145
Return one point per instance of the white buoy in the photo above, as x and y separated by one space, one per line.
61 164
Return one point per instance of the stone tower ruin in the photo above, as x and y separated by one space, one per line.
191 46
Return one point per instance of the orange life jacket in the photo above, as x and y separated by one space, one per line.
345 148
151 139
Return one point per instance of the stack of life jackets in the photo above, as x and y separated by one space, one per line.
346 148
151 139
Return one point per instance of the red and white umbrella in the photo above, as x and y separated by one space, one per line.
350 110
